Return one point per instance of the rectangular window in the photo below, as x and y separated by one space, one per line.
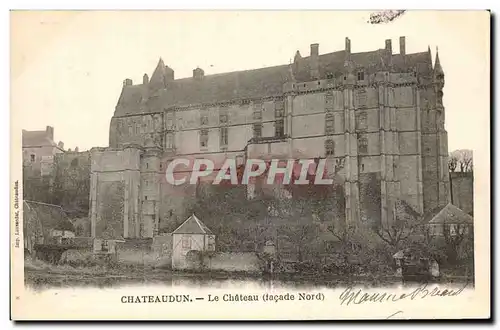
186 242
363 145
257 110
137 129
170 120
223 136
257 114
170 141
329 102
204 138
329 125
280 128
279 109
329 147
32 158
223 119
204 120
257 130
361 98
361 75
361 121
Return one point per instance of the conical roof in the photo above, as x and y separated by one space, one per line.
193 225
437 65
159 73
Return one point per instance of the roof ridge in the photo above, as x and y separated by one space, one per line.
201 224
232 72
48 204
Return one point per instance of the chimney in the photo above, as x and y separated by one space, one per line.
314 67
402 46
348 45
50 132
388 45
127 82
61 145
145 79
198 74
169 73
314 50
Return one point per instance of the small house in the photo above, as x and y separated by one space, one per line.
189 240
45 224
450 221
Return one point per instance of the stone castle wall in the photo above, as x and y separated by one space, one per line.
386 124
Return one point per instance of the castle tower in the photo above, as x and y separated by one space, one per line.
351 154
442 135
149 194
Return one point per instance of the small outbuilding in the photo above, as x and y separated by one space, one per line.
44 224
450 220
189 240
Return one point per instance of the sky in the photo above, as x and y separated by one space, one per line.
67 68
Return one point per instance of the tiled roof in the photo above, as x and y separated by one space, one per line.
256 83
37 139
193 225
451 214
48 216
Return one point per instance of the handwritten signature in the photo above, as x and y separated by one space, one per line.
352 296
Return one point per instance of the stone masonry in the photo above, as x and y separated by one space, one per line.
378 112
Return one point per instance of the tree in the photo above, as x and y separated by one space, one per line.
300 235
457 239
460 161
405 221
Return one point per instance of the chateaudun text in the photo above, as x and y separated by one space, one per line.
226 297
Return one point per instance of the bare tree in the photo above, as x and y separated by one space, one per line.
452 163
461 161
300 235
405 221
454 235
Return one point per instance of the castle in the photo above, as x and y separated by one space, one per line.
379 113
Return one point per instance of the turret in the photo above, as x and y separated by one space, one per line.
438 79
438 70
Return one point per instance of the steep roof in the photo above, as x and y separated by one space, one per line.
37 139
192 225
46 217
450 214
264 82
